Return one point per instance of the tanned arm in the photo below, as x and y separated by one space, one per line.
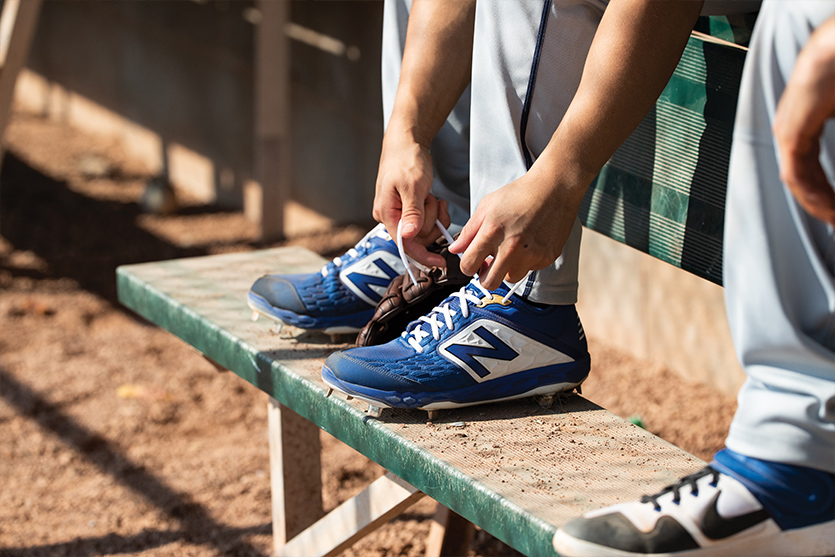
525 224
436 70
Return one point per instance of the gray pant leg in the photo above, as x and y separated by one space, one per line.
505 38
451 147
779 265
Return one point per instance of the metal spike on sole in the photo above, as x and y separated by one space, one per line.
329 392
276 329
433 414
255 315
374 411
545 401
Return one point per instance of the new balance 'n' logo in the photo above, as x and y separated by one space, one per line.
487 349
365 282
496 350
369 278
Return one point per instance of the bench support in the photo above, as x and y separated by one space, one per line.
300 526
295 473
384 499
449 535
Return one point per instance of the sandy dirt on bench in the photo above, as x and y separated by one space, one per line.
117 438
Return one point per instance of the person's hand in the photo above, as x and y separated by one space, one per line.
523 225
807 103
404 181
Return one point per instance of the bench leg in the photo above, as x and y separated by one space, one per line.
385 498
450 534
295 473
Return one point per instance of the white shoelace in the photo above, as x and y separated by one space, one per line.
416 334
365 242
408 261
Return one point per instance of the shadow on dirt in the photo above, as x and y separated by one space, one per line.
196 525
80 238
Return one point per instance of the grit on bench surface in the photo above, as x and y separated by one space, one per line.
516 469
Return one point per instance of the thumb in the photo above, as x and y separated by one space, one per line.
411 215
466 235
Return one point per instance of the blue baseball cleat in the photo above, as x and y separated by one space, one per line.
341 297
476 346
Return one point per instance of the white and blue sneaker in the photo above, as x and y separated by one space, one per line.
736 506
341 297
476 346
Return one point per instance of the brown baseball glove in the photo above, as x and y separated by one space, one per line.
405 301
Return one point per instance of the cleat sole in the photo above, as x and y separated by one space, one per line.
442 401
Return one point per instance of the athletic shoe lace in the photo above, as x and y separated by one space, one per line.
408 261
685 481
360 249
416 333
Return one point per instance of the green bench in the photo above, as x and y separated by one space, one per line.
518 469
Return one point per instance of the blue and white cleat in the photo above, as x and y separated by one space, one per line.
477 346
736 506
341 297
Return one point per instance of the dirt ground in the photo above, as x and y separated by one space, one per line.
117 438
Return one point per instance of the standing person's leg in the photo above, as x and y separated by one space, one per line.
780 267
772 491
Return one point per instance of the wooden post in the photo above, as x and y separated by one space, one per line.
449 535
295 473
17 27
266 198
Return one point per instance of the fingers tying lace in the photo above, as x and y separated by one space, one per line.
443 314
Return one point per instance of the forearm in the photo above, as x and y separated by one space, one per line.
635 51
436 67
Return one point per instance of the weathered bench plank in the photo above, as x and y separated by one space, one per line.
515 469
